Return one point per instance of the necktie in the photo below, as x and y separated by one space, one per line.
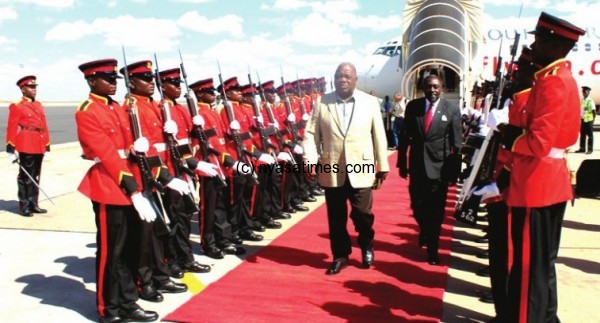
428 117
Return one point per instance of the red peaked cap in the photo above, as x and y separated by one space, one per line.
553 26
27 80
102 66
206 85
141 67
173 74
248 89
229 84
287 86
268 86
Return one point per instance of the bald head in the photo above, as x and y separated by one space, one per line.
345 80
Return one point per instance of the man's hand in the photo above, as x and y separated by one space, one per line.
284 157
47 155
242 168
266 159
497 117
298 150
403 172
488 191
310 171
141 145
260 120
234 125
206 169
305 117
170 127
198 120
143 207
12 157
180 186
291 117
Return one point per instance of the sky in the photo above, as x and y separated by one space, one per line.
302 38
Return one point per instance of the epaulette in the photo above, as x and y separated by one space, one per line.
84 105
17 102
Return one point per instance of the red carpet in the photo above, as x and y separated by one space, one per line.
285 281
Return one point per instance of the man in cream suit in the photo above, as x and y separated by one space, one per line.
346 133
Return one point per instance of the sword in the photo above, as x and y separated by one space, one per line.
34 181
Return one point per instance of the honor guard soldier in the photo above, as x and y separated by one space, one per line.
27 140
179 251
153 272
111 183
240 185
537 200
215 230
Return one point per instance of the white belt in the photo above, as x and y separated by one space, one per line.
557 153
121 152
183 141
160 147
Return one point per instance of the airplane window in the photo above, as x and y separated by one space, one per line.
379 51
574 48
588 47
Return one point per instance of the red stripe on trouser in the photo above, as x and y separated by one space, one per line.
231 190
103 250
252 200
526 268
201 215
510 253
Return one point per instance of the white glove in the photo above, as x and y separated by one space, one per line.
180 186
298 150
141 145
488 191
242 168
206 169
483 130
305 117
266 159
143 207
260 119
283 156
234 125
198 121
170 127
11 157
497 117
291 117
276 124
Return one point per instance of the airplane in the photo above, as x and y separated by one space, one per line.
384 72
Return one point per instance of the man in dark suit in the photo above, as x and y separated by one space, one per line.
432 131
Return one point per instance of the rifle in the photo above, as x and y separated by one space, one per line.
302 123
263 131
278 133
236 136
145 164
485 161
209 154
288 107
176 151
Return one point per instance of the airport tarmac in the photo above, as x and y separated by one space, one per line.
48 260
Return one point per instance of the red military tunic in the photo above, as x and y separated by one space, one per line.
27 131
226 148
181 116
105 136
551 125
244 118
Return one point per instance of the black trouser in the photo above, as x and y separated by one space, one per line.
214 227
428 202
268 193
498 252
361 201
149 262
28 192
532 292
116 291
179 246
300 189
587 130
236 203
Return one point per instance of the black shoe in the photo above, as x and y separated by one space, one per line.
270 224
368 256
195 267
580 151
289 209
589 152
37 209
487 297
26 213
300 208
317 192
150 294
213 252
336 266
282 216
237 240
433 259
422 240
172 287
258 227
309 199
485 254
140 315
110 319
484 271
250 236
231 249
483 239
176 271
